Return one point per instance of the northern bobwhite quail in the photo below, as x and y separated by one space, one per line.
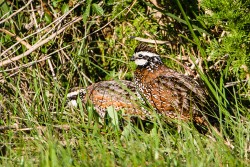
171 93
118 94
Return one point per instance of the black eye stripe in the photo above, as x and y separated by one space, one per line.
143 56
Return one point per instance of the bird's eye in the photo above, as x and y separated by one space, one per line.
140 55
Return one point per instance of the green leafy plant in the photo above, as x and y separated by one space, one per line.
48 47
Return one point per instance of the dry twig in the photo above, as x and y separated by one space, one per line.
39 44
13 14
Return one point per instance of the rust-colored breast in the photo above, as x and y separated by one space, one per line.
171 93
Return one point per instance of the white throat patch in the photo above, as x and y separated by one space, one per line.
140 62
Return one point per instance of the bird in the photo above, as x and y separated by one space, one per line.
121 95
172 94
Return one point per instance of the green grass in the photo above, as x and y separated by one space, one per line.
38 129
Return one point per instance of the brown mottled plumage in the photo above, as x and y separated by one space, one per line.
169 92
119 94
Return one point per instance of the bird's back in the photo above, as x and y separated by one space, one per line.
172 93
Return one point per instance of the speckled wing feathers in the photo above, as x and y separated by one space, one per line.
119 94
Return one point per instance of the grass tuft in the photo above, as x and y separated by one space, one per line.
47 48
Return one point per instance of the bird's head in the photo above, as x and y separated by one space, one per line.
145 55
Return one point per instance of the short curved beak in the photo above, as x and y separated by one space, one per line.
132 58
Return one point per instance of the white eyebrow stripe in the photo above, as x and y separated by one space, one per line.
149 54
75 93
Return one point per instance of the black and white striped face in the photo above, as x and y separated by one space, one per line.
145 55
144 58
72 97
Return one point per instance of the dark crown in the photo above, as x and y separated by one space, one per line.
144 47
